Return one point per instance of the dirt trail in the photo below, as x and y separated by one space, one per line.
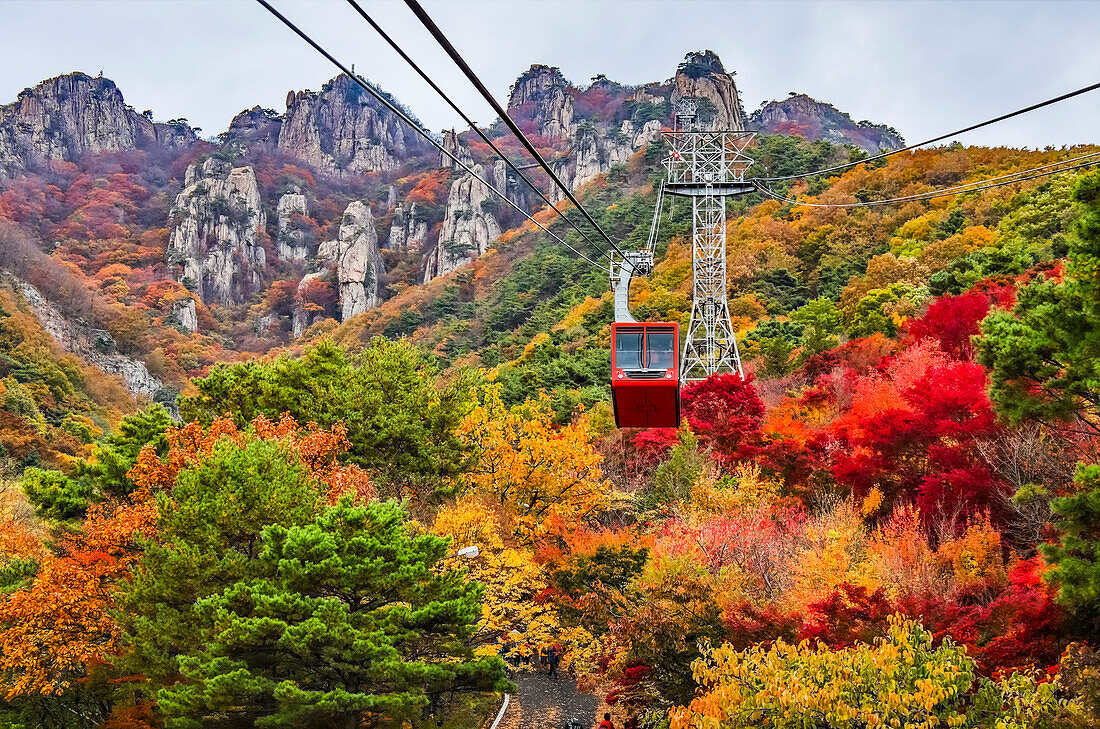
540 703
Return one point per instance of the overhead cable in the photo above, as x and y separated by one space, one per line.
473 125
461 63
947 192
381 98
940 138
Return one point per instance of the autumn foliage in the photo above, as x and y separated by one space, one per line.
53 632
853 533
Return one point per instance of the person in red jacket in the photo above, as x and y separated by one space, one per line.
606 723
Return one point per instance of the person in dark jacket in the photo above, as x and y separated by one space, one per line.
553 658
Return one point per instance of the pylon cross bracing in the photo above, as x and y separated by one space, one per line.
708 167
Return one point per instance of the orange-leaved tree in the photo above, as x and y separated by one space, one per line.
52 630
317 448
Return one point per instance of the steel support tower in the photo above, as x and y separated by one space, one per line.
708 167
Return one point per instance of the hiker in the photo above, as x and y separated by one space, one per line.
606 723
553 658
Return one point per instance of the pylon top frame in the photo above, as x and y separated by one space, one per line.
714 160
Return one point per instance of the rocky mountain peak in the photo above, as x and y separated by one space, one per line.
534 82
802 115
67 116
541 96
703 77
698 64
255 126
343 130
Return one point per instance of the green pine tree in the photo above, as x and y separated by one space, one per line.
349 624
209 538
118 452
400 424
1043 353
60 497
1076 559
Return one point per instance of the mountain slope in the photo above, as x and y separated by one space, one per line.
332 217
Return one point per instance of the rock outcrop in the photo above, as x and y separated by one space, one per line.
214 237
452 144
543 99
408 228
255 129
343 130
71 115
469 226
290 238
702 77
595 150
301 317
592 154
358 261
185 314
806 117
647 134
95 346
542 96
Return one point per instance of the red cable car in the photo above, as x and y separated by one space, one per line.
645 377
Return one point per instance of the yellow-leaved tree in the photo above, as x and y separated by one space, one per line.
512 620
903 680
533 468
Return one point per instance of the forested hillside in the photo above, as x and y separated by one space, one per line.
257 392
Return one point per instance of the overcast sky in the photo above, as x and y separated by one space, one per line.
923 67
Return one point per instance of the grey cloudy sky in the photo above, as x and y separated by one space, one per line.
923 67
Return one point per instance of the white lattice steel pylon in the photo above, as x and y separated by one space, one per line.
708 167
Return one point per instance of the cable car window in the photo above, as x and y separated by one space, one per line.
660 354
628 350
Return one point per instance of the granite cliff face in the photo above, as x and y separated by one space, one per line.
71 115
408 229
806 117
302 316
358 261
702 77
592 154
342 130
214 239
452 144
469 226
595 150
95 346
290 239
543 95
